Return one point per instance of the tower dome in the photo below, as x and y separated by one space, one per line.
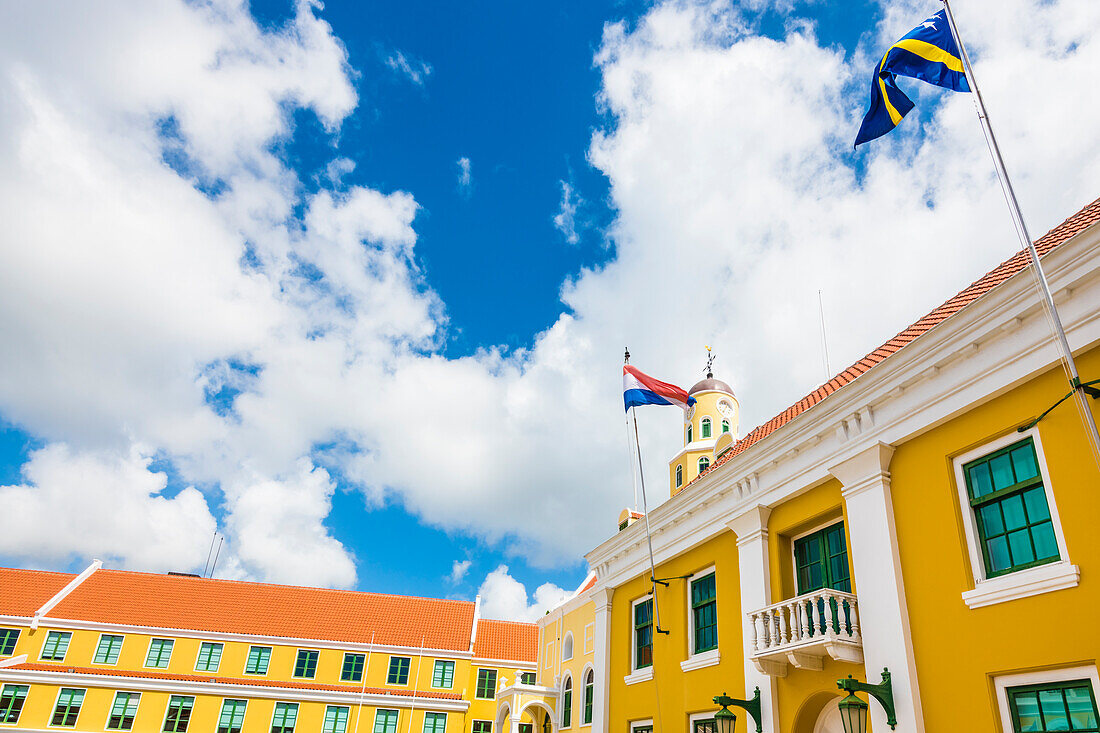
710 384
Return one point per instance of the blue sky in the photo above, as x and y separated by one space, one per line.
327 293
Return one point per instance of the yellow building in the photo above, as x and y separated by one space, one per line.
122 651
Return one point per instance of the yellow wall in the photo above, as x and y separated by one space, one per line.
555 628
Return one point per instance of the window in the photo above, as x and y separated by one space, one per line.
107 650
821 560
336 719
547 727
352 670
444 674
232 718
704 428
435 722
647 728
306 664
1009 501
527 678
679 475
385 721
8 639
567 647
567 703
486 684
526 728
160 651
57 643
179 713
703 725
12 698
689 433
68 707
643 634
704 614
704 464
286 715
483 726
589 694
210 656
258 658
1050 707
725 426
123 711
399 671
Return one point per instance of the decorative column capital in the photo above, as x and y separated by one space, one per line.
601 598
865 469
751 525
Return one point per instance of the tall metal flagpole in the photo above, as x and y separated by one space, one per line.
1025 240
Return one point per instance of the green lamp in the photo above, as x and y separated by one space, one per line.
853 711
750 706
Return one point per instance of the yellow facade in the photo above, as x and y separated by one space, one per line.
715 412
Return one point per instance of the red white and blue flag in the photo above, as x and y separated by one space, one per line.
642 389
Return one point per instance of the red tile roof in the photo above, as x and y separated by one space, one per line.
509 640
1080 221
22 592
252 681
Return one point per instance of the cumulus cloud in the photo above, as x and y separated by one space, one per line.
411 68
171 290
459 568
465 180
504 597
565 221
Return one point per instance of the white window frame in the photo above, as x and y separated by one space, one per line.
53 709
194 699
270 653
639 675
699 716
408 678
245 701
1002 682
567 638
588 669
703 659
699 463
814 530
374 723
1046 578
325 714
145 662
573 703
294 664
43 649
477 720
446 719
275 707
679 475
645 723
589 637
454 666
107 721
215 670
496 682
711 420
100 641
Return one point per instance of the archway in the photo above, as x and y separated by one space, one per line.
547 715
504 710
829 719
818 714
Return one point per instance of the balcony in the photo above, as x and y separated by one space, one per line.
802 631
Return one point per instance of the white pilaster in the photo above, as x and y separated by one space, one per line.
883 615
751 528
601 659
514 721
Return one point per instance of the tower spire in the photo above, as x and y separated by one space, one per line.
710 362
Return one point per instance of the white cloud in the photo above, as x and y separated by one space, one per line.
566 219
465 180
458 571
412 68
130 297
504 597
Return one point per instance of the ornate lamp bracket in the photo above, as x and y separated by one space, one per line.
752 706
883 692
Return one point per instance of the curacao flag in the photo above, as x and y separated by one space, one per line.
642 389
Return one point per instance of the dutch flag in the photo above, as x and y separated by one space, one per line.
642 389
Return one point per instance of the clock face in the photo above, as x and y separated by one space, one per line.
690 412
725 408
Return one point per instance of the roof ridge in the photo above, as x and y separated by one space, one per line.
507 621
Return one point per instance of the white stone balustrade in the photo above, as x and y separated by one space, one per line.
805 629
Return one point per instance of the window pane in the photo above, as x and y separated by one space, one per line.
1001 467
11 702
1027 712
998 553
1019 544
336 719
1046 546
1036 502
992 524
981 483
1054 710
1023 461
1013 508
306 664
1082 713
353 667
258 658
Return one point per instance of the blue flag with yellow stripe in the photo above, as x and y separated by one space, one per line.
929 53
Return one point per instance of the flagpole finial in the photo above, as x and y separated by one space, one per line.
710 362
626 355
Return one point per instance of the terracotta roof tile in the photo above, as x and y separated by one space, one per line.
1080 221
22 592
228 606
511 640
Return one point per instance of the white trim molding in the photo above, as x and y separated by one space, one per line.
709 657
700 660
1023 583
642 675
1002 683
60 595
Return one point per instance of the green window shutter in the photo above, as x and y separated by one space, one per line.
306 664
258 658
483 726
160 653
1062 706
689 433
385 721
67 709
486 684
444 674
567 703
286 715
336 719
12 698
57 644
725 426
679 476
435 722
123 711
589 693
399 671
704 428
821 561
704 612
231 719
643 634
1010 509
107 650
704 464
210 656
526 728
352 670
8 640
179 713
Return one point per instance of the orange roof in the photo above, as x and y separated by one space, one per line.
1080 221
511 640
228 606
254 682
22 592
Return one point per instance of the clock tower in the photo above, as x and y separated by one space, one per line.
714 414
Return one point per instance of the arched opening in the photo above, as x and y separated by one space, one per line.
679 476
725 426
503 712
818 714
567 647
704 464
689 433
589 695
567 702
546 723
704 428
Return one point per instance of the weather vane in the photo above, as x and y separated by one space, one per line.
710 361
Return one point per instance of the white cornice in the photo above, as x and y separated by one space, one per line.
994 344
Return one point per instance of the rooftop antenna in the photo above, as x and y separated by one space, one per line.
710 362
209 552
824 341
216 554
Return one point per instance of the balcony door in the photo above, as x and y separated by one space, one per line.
821 560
